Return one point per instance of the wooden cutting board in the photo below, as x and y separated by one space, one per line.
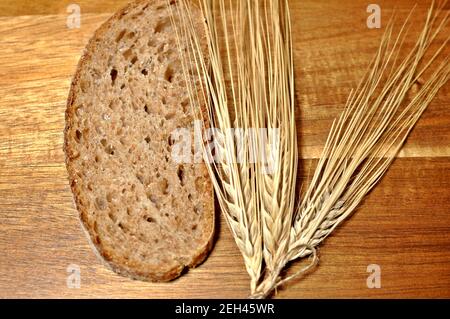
403 226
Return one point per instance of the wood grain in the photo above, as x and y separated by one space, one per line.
403 226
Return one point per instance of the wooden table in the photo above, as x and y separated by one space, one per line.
403 226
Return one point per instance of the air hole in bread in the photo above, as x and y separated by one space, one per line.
180 174
169 74
110 150
85 133
113 76
112 217
127 54
78 136
134 60
184 105
140 178
120 35
170 116
110 197
112 105
147 139
122 86
162 26
163 100
144 72
170 140
131 35
150 219
146 109
190 197
194 227
171 52
164 186
136 16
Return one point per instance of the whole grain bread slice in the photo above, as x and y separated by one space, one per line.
147 216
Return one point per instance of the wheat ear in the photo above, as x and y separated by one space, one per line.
277 185
249 87
365 139
230 167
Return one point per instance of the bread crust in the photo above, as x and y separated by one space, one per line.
107 259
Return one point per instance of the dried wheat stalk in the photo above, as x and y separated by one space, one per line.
232 172
248 83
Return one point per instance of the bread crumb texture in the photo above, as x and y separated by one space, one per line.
147 216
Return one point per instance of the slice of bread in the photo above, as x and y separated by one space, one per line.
147 216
